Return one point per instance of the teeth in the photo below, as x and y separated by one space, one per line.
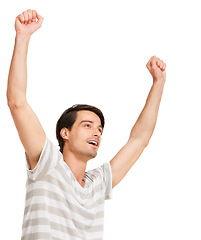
94 143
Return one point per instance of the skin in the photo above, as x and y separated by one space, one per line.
77 150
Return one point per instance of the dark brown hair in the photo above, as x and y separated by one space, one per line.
69 116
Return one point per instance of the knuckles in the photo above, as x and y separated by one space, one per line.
155 63
28 16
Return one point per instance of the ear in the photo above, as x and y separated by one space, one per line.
64 133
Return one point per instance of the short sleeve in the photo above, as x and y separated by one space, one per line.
49 158
107 178
102 176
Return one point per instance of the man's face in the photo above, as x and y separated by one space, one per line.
85 136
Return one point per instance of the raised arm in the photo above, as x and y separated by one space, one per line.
28 126
144 126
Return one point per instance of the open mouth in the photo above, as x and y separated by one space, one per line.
94 143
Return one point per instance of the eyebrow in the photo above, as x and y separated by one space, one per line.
90 122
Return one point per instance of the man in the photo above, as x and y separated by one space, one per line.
63 201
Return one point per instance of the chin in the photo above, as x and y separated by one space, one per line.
92 155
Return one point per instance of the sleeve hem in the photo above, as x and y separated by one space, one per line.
109 194
41 155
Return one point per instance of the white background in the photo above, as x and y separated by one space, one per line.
95 52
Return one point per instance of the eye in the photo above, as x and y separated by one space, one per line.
87 125
100 130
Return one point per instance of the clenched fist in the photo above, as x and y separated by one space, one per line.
157 69
28 22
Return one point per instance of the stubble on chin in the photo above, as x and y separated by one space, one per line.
92 155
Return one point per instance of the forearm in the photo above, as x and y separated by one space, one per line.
17 78
145 124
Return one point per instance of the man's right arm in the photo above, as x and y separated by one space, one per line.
28 126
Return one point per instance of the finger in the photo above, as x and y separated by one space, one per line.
164 67
148 64
34 13
29 11
26 18
159 63
151 61
40 19
20 17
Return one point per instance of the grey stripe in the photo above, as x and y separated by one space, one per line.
55 175
36 221
82 212
59 198
51 157
55 226
29 181
49 178
107 173
45 236
62 228
55 182
66 178
64 187
39 235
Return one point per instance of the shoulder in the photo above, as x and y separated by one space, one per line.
99 172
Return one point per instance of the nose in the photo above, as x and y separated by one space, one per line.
96 133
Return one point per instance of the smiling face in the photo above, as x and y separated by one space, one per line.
85 136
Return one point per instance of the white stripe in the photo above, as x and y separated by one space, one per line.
59 234
35 229
88 236
66 195
62 220
75 216
62 205
76 210
70 186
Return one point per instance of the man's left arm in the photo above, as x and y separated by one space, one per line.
144 126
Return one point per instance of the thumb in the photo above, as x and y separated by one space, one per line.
152 63
40 19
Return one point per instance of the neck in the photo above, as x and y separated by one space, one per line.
76 165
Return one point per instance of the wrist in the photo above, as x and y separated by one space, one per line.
22 42
159 81
20 37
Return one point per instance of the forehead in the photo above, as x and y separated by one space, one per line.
85 115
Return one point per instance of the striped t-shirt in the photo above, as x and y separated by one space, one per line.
57 207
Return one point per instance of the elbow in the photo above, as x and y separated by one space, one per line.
10 100
15 99
146 143
143 142
15 104
145 139
11 104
